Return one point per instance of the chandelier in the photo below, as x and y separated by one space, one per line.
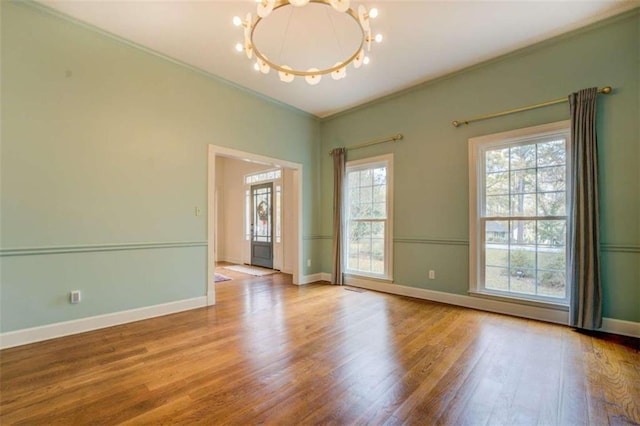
311 75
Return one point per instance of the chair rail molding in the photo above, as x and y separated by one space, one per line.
86 248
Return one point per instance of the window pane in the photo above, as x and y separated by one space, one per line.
377 255
364 255
523 205
377 230
552 283
497 205
496 243
366 194
497 160
522 262
552 153
379 193
497 183
496 255
522 257
247 215
551 178
278 213
354 179
497 231
523 157
552 204
522 280
354 202
496 278
360 246
359 231
366 211
523 232
552 233
366 177
523 181
352 259
380 176
379 211
553 258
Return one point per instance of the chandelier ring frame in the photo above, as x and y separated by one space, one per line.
343 64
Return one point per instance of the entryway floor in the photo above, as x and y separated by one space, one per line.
221 268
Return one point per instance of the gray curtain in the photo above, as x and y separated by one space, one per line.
338 185
584 240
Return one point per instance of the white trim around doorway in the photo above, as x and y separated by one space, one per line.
219 151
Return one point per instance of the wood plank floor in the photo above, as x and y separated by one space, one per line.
271 352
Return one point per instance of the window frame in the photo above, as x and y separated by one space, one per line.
477 173
363 164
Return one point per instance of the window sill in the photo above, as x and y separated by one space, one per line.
559 306
363 277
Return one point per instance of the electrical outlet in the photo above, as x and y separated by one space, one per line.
432 274
308 263
75 297
198 212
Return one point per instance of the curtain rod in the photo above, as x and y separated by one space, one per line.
456 123
393 138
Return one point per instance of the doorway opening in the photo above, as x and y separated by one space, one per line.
257 238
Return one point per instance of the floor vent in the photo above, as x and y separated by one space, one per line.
355 289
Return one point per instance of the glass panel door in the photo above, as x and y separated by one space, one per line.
262 225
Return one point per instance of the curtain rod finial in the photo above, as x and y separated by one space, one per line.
607 90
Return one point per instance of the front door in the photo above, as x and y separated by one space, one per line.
262 225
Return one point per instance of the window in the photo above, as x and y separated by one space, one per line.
263 176
247 214
368 206
278 213
518 213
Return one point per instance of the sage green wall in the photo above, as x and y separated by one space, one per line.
431 163
104 143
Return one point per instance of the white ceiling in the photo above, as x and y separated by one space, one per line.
422 39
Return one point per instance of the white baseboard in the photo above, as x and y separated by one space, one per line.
624 328
51 331
233 260
308 279
526 311
609 325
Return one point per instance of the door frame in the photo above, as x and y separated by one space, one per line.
297 169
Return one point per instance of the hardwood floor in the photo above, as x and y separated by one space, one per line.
271 352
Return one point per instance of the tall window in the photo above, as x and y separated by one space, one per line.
368 204
278 213
518 207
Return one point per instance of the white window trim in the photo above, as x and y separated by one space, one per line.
366 163
476 183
